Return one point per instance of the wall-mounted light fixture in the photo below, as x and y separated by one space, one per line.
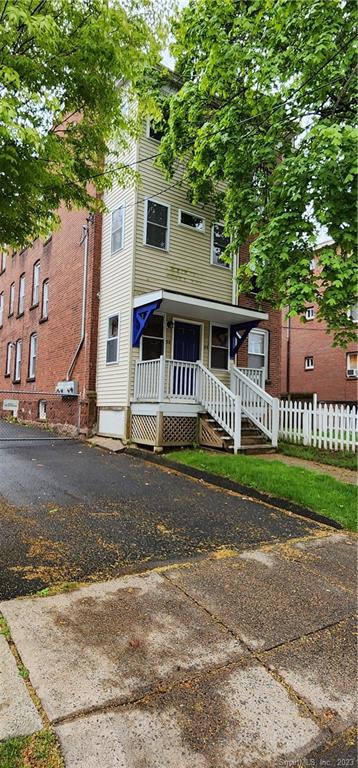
170 324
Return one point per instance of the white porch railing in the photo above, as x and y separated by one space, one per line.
257 375
256 404
220 402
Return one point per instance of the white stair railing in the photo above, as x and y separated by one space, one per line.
256 404
220 403
146 382
257 375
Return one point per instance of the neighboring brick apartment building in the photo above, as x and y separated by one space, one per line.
49 295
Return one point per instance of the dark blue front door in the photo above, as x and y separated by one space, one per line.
186 348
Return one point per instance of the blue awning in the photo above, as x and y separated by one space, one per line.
141 316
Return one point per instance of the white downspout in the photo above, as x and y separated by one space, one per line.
85 240
235 264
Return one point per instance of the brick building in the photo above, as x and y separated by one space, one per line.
49 297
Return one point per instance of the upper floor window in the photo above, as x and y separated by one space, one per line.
219 347
8 363
309 363
352 365
152 343
117 229
32 355
219 243
18 356
21 307
192 221
12 299
44 307
154 132
2 301
310 313
157 224
36 284
112 339
258 350
353 313
2 261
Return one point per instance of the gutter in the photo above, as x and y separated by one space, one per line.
85 240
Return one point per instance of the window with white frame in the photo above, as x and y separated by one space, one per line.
219 347
310 313
117 229
18 355
2 300
353 313
154 132
44 303
156 224
9 353
192 221
152 342
42 412
352 365
219 243
21 306
309 363
2 261
36 284
12 299
258 349
32 355
112 339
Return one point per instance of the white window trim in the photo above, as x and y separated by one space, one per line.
32 356
2 305
18 360
189 322
121 207
148 245
263 332
309 367
349 313
155 337
45 283
9 352
310 313
21 303
147 133
219 325
228 267
35 283
349 366
187 226
3 262
109 338
11 299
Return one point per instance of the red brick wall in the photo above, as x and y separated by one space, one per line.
328 378
273 326
61 262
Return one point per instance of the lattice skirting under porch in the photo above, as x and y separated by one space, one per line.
159 430
144 429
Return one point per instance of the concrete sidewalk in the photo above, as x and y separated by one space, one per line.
222 662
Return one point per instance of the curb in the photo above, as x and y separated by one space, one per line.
230 485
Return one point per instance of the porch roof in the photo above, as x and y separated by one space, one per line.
199 309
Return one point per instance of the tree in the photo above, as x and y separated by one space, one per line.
266 112
77 61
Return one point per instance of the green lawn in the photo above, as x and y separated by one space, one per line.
343 459
318 492
38 751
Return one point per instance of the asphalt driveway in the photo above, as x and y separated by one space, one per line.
73 512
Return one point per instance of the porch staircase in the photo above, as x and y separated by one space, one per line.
212 435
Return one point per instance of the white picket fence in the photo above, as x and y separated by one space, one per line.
323 426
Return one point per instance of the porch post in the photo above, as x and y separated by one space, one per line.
161 384
275 420
237 435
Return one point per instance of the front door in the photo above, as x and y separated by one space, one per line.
187 349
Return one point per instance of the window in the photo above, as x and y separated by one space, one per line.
36 284
219 243
18 351
352 365
309 363
152 345
21 306
8 364
44 308
42 413
192 221
219 347
2 261
2 301
156 226
32 355
310 313
258 350
12 299
117 230
154 132
353 313
112 339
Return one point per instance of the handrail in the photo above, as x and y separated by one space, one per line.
257 375
258 405
222 404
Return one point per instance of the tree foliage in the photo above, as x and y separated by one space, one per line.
79 59
266 111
